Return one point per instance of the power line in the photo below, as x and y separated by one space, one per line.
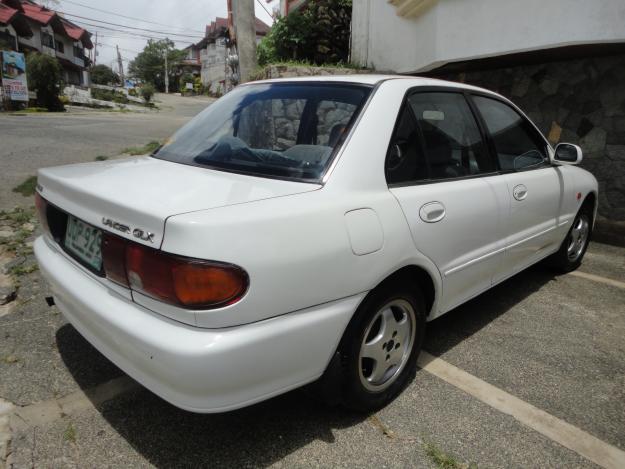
264 8
145 36
132 27
128 17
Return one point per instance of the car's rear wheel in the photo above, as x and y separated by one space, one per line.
571 252
380 347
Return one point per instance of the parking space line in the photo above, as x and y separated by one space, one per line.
598 278
583 443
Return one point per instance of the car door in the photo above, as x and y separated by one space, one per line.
441 172
535 187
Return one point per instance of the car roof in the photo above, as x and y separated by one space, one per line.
374 79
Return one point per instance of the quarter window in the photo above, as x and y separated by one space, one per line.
518 144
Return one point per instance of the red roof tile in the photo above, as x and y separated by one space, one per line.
38 13
6 14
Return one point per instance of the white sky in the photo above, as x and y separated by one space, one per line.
188 17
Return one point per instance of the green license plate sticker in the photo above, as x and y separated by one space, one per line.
83 241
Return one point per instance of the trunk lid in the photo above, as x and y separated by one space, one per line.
141 193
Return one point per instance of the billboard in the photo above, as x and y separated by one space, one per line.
14 76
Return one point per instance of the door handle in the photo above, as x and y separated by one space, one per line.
519 192
432 212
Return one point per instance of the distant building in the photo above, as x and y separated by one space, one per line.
216 54
26 26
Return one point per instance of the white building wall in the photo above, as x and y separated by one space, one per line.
457 30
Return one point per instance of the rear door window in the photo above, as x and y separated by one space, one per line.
451 138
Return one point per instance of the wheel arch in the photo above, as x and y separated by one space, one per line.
417 276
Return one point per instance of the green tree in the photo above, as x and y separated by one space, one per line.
318 33
103 75
44 76
149 65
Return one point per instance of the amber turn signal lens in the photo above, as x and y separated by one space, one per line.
182 281
197 284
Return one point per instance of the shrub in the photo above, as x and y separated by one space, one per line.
64 99
120 97
184 79
318 33
132 92
44 75
147 92
104 95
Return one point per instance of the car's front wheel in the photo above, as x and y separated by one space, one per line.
380 347
571 252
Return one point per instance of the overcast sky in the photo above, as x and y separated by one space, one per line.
186 17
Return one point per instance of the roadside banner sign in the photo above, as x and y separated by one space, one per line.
14 76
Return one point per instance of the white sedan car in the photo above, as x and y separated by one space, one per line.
306 228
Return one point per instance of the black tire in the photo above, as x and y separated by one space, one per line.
565 259
354 394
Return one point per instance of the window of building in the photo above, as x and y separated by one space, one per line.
60 47
518 144
78 52
47 40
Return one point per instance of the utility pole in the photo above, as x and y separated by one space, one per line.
166 73
121 66
95 49
245 31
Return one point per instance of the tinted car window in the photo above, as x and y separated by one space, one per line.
518 144
452 141
274 130
404 160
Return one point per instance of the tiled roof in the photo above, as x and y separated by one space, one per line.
77 33
6 14
60 25
261 28
38 13
14 17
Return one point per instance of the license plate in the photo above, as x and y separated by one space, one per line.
83 241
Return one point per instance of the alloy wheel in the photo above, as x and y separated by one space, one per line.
386 346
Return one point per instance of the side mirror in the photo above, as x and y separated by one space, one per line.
567 153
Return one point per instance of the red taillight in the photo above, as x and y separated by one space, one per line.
182 281
42 211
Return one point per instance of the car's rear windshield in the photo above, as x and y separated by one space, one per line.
281 130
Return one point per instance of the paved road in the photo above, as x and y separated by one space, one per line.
29 142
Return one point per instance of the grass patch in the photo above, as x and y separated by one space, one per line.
18 215
443 460
145 149
101 158
31 110
22 224
9 359
27 188
20 270
70 433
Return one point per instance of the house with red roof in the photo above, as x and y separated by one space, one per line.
29 27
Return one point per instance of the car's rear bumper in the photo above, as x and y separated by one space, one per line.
201 370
